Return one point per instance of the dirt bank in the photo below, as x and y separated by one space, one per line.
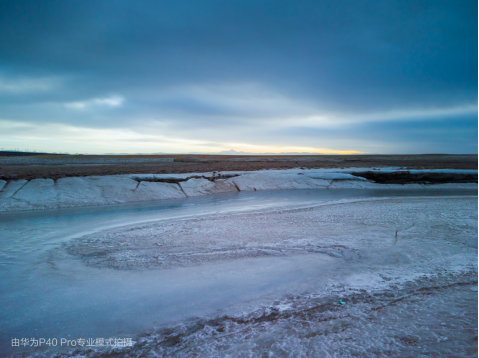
417 178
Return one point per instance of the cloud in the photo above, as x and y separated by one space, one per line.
112 101
407 114
264 73
28 85
44 137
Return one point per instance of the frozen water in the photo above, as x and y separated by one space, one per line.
356 184
250 274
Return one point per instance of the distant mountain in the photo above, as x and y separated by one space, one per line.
232 152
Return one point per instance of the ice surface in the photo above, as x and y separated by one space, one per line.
356 184
422 319
455 171
413 186
202 281
389 226
451 186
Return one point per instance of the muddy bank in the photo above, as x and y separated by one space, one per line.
406 177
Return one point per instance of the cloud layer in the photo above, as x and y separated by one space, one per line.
380 77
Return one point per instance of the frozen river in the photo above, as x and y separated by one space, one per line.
241 274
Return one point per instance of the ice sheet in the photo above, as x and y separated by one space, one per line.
356 184
203 281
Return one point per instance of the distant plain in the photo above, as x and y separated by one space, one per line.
190 163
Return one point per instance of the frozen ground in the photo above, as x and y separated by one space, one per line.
27 160
249 274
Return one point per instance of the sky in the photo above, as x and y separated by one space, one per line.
329 76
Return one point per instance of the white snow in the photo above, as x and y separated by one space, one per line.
113 189
273 181
11 187
157 191
7 196
196 187
37 192
78 191
116 188
333 176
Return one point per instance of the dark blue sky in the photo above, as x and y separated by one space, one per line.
259 76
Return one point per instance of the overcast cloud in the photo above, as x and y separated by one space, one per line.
204 76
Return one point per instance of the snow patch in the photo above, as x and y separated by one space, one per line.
157 191
196 187
37 193
283 307
260 181
11 188
115 189
77 192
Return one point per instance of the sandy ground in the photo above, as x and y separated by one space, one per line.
209 163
